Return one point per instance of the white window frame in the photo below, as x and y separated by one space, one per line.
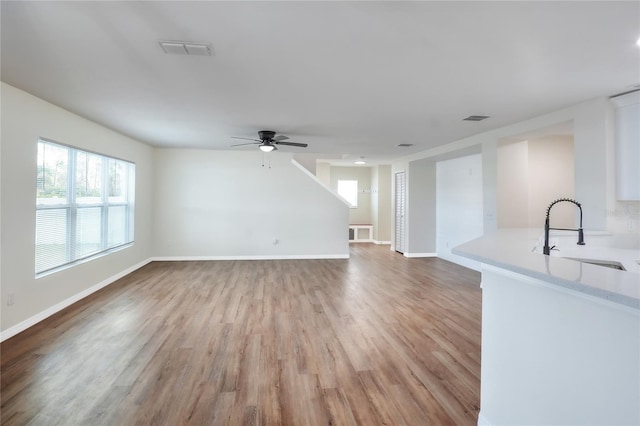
352 199
72 207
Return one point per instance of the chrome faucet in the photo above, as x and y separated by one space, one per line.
546 249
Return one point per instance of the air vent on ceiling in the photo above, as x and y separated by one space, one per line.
405 145
186 48
476 118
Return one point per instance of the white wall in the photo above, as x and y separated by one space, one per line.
25 119
381 203
551 176
375 201
531 174
490 185
422 208
308 161
383 212
217 204
513 185
323 173
459 211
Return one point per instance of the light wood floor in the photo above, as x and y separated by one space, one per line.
378 339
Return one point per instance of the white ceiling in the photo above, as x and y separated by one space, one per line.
349 78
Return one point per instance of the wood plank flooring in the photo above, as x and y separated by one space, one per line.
378 339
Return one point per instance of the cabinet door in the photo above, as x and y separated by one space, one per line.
628 146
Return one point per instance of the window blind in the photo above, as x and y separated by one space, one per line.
84 205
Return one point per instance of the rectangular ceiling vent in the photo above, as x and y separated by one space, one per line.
405 145
476 118
186 48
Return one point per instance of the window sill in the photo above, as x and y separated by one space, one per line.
83 260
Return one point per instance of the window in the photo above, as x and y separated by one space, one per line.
84 205
348 189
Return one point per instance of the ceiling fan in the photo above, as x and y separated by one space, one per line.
268 141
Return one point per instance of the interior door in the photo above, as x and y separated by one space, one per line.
400 185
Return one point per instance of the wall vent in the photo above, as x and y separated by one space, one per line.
405 145
476 118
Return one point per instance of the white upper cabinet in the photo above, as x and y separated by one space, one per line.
627 146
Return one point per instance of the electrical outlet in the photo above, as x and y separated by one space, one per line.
11 299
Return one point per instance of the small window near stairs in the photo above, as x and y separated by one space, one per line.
348 189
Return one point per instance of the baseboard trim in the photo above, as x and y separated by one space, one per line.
252 257
483 421
382 243
30 322
420 254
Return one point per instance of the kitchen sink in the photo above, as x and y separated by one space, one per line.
605 263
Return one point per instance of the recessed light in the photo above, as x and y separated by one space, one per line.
359 162
638 42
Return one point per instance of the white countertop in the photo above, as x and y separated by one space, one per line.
519 250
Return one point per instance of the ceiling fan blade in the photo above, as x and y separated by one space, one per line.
248 143
281 138
246 139
301 145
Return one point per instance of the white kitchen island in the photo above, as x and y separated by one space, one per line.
560 338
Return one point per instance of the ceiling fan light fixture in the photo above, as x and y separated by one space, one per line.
268 141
